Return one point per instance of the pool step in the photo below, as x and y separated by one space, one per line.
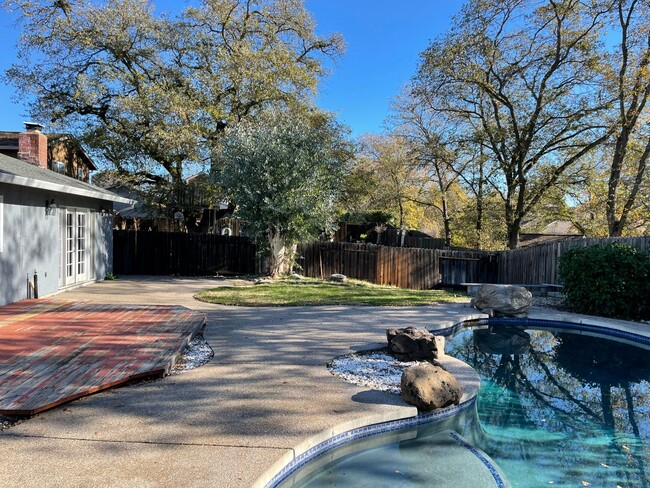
443 459
471 466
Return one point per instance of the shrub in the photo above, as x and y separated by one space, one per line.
610 280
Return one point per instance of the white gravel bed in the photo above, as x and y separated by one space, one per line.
197 353
376 370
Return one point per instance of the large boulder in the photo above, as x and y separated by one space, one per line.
430 387
503 300
411 344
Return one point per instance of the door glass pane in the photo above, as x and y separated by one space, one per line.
69 245
81 243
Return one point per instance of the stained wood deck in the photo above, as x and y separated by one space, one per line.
53 352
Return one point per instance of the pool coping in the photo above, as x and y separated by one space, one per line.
341 434
344 433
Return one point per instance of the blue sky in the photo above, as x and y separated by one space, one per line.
383 39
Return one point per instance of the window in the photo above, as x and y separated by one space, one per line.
81 174
58 167
2 226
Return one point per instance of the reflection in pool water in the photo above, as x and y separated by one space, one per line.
555 409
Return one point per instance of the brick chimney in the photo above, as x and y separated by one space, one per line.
32 145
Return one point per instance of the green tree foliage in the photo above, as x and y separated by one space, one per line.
610 281
152 93
284 173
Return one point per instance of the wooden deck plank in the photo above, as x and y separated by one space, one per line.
52 352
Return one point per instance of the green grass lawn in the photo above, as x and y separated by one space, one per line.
312 292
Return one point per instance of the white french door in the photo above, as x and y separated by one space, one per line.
75 246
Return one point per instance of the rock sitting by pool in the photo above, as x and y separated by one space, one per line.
503 300
430 387
411 344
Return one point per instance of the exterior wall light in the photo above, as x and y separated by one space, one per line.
50 207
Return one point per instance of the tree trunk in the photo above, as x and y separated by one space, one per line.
513 224
513 234
479 207
616 224
447 221
278 262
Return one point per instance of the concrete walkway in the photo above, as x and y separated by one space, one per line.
224 424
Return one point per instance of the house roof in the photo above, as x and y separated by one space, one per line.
17 172
562 228
529 239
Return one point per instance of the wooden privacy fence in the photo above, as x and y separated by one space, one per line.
425 268
397 238
419 269
404 267
186 254
166 253
539 264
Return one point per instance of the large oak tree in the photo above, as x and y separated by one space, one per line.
524 72
153 93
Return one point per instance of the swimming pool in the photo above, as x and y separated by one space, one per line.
555 409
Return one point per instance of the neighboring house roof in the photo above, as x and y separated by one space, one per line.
72 142
557 230
136 209
527 239
16 172
8 140
562 228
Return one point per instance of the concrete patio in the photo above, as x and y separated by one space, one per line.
225 424
265 397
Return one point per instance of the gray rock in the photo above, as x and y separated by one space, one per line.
295 276
411 344
430 387
338 278
503 300
263 281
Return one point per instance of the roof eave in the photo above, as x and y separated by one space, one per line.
46 185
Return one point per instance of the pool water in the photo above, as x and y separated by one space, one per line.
555 409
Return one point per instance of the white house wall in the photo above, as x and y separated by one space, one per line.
31 240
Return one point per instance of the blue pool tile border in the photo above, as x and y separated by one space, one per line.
526 323
557 324
370 430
